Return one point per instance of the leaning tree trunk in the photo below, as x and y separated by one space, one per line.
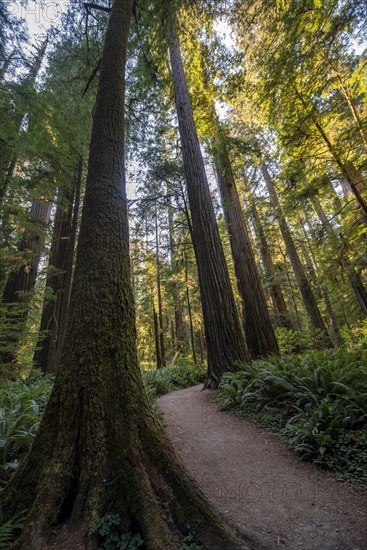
225 340
101 448
259 331
276 292
353 276
19 286
303 283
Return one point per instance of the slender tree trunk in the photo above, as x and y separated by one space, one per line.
69 266
225 339
5 66
353 276
259 332
44 356
303 283
277 297
157 339
8 155
159 295
190 315
179 324
101 448
348 170
19 286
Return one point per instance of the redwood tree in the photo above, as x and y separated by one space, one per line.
225 340
101 448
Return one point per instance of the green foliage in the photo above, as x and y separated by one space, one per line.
23 402
317 401
159 382
21 406
10 529
110 538
188 543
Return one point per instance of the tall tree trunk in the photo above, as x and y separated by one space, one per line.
5 66
224 337
303 283
190 315
69 266
159 295
100 447
58 277
46 346
277 297
19 286
156 338
180 338
259 332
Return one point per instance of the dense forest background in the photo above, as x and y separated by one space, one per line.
278 92
183 199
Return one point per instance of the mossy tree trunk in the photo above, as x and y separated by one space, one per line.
101 448
303 283
259 331
225 340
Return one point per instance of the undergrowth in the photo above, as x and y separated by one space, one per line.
316 401
22 403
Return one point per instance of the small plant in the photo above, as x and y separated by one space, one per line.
315 400
110 538
10 529
189 543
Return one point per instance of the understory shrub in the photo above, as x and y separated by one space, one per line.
317 401
22 403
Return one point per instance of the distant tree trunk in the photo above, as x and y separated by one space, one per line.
70 265
8 154
353 276
303 283
101 448
347 169
259 332
224 337
20 283
58 278
44 356
156 338
314 273
277 297
5 66
190 315
180 337
159 295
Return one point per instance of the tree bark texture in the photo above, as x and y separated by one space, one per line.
259 331
225 340
304 286
279 304
101 448
20 283
58 277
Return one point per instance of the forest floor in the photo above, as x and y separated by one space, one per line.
251 476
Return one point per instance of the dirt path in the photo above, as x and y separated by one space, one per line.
251 476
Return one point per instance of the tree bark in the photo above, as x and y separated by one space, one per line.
44 356
180 337
303 283
101 448
19 286
225 340
259 331
190 315
159 296
276 292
